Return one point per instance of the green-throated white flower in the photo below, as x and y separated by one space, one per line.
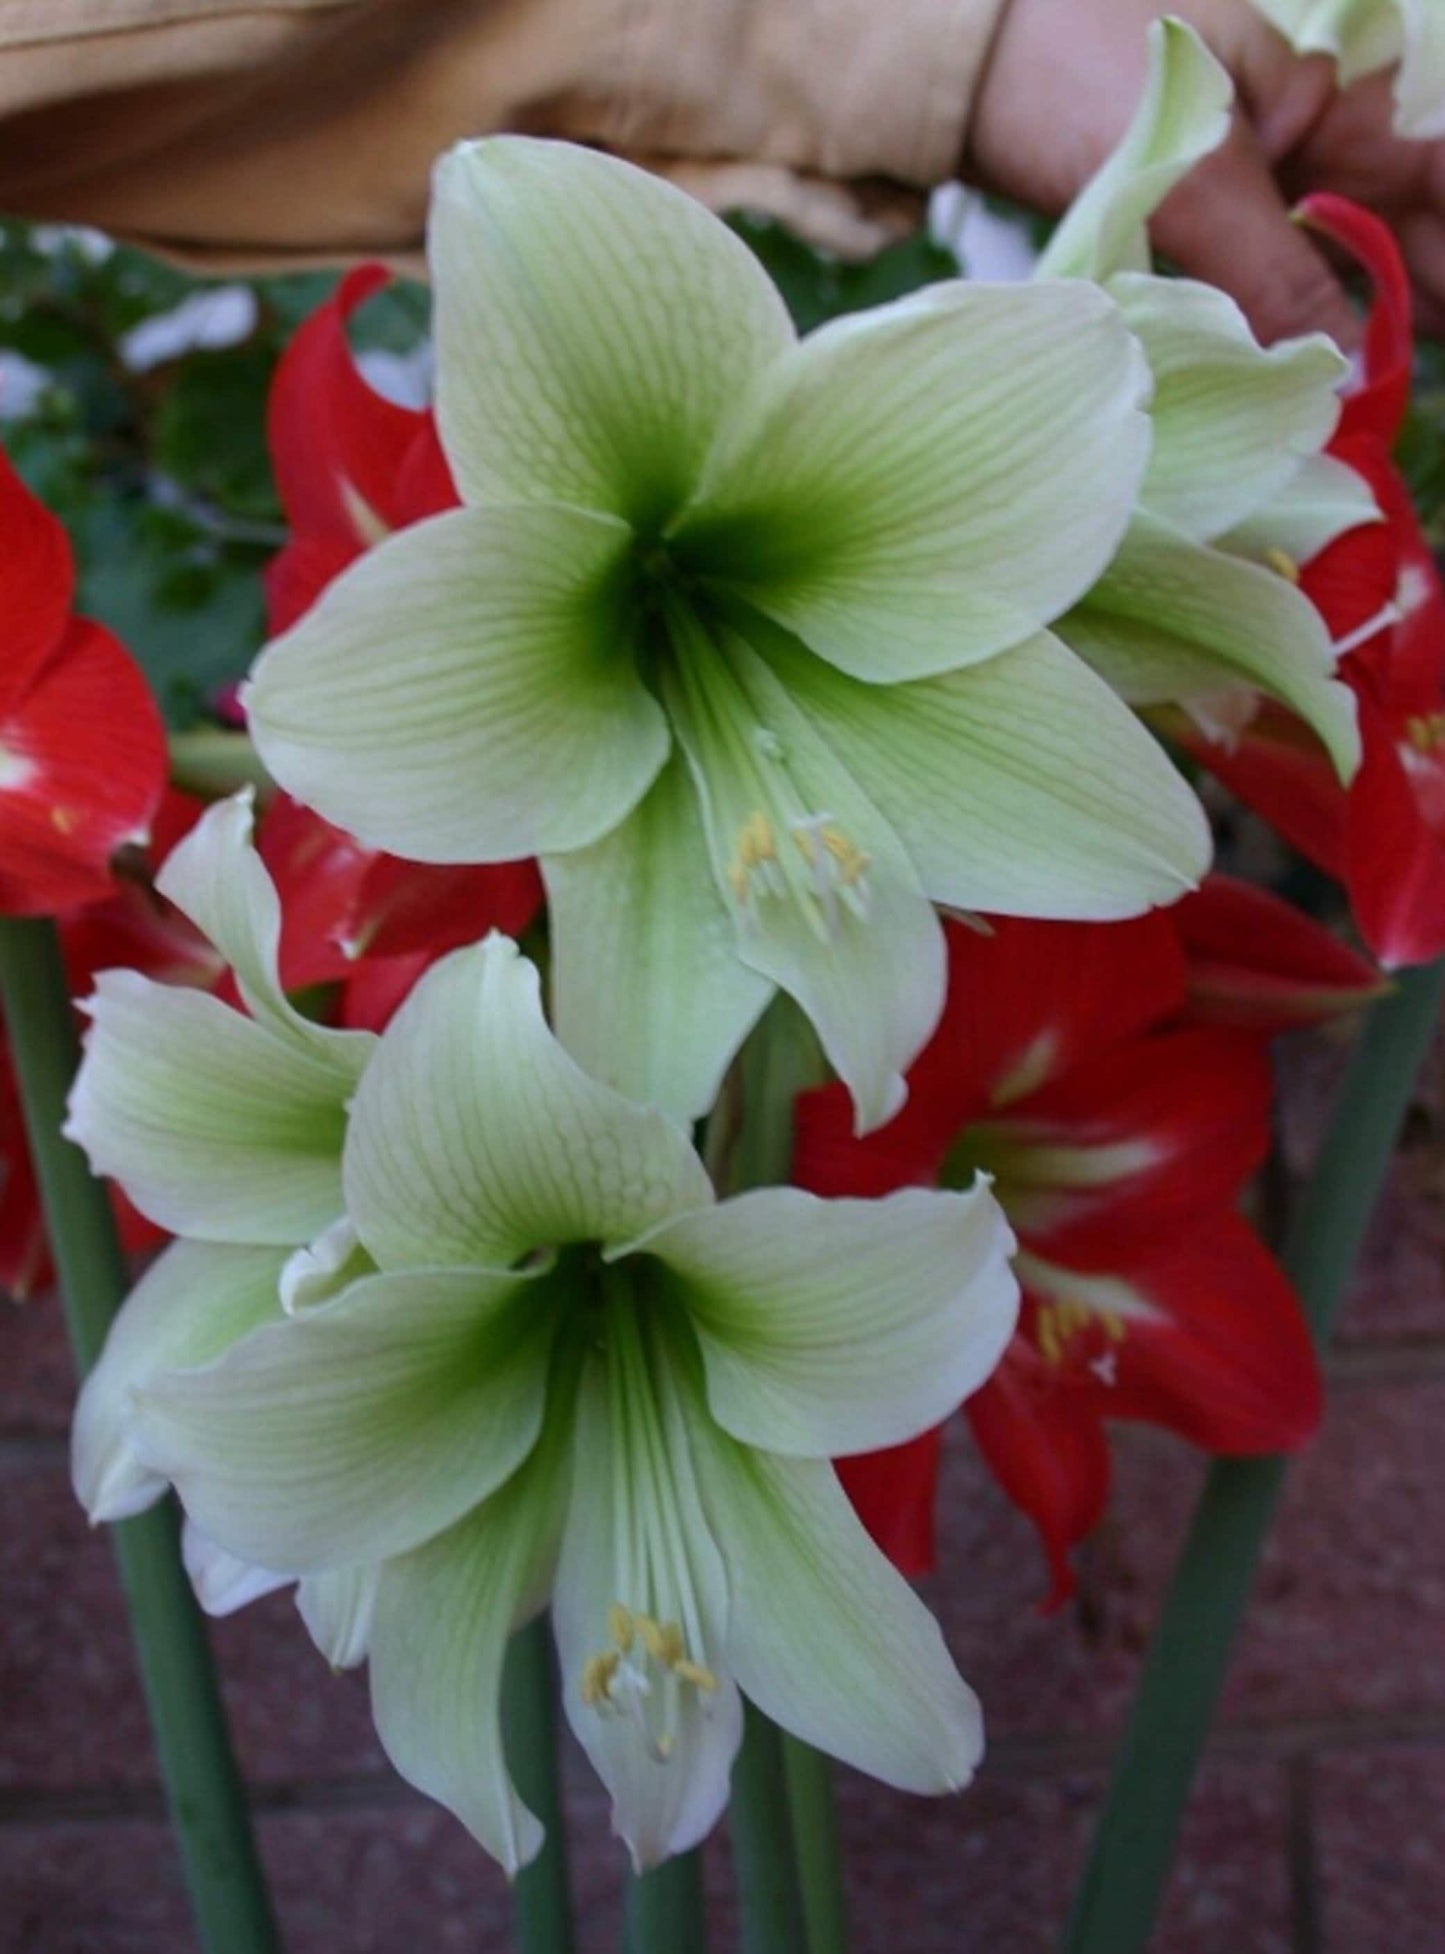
1200 604
743 636
575 1375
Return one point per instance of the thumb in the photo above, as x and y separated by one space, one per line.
1228 224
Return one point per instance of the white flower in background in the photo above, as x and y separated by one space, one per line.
1365 36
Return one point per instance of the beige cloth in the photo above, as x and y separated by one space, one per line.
235 133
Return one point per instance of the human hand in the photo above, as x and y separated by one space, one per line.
1063 78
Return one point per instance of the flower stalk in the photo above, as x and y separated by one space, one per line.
204 1790
819 1850
1117 1900
541 1893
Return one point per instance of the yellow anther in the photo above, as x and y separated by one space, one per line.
1048 1335
63 820
756 841
1426 731
738 880
1285 564
1113 1326
621 1626
598 1673
807 846
852 862
695 1673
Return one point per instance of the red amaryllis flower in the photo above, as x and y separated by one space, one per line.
1380 592
1119 1139
82 749
350 465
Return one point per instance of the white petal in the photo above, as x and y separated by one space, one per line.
824 1634
830 1327
1319 503
475 1138
592 324
666 1755
467 691
920 486
214 1125
361 1428
195 1299
648 992
222 1583
337 1608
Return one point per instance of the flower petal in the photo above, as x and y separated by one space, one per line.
216 878
666 1755
37 583
920 486
827 903
223 1584
1017 786
438 1641
1173 618
648 991
338 1608
1233 421
193 1302
823 1634
215 1126
1182 117
360 1428
839 1326
592 325
1322 502
475 1138
466 691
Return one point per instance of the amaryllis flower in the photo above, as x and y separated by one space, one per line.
350 465
1380 592
1119 1140
547 1364
82 749
1365 36
744 637
1194 609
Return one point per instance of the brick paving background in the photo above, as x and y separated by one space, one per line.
1318 1825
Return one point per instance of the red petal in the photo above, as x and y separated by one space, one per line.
402 907
1045 1445
1353 580
337 445
377 988
425 486
1395 857
1135 1144
1278 768
37 584
85 753
296 577
1378 406
317 870
894 1493
24 1254
1257 963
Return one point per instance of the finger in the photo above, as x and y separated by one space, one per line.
1228 224
1422 238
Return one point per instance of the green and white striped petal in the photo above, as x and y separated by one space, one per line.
475 1138
215 1125
830 1327
593 324
920 486
1319 503
194 1301
1182 118
361 1428
1234 421
649 994
467 691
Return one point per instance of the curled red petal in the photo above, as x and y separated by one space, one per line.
37 584
1257 963
82 769
1395 854
1377 407
317 870
400 908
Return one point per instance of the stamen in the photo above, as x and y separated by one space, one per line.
1284 564
620 1680
1426 731
1381 621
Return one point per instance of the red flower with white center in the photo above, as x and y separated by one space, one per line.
82 749
1380 592
351 467
1120 1137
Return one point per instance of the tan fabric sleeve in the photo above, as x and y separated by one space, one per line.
235 133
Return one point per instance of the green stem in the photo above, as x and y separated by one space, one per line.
541 1901
203 1786
666 1910
213 761
761 1828
1117 1900
815 1836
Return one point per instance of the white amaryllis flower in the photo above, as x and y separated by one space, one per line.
744 637
576 1375
1365 36
1201 600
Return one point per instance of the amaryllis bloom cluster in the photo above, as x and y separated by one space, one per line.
82 750
530 1356
1120 1108
709 587
1365 36
1379 590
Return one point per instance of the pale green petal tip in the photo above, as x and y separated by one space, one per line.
1182 117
